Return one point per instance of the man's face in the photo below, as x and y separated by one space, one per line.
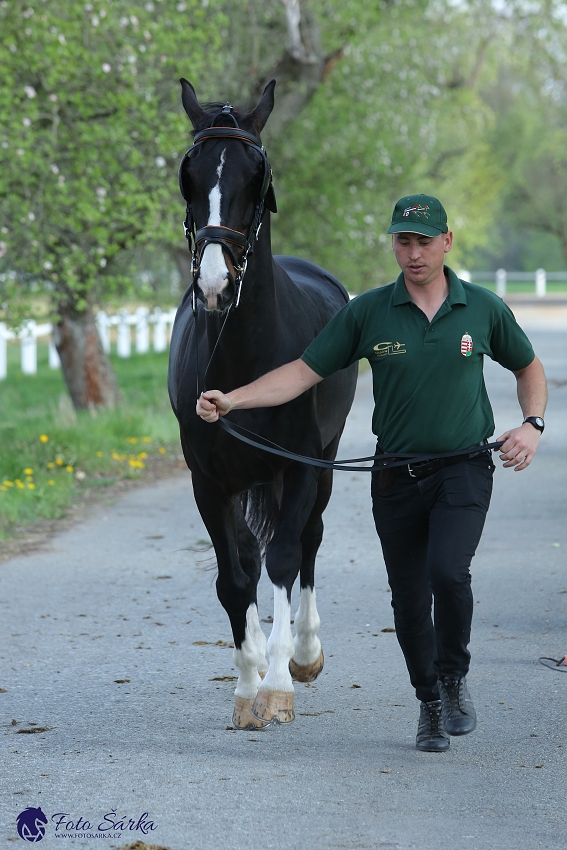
421 258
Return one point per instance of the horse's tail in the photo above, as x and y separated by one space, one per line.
261 510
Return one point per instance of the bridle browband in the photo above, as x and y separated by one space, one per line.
236 244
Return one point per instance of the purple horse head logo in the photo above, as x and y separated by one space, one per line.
31 824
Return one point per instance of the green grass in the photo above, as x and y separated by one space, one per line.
69 452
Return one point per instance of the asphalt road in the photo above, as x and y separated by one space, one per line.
113 639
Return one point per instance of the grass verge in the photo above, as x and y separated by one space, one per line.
52 457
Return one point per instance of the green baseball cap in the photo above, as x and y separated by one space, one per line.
419 214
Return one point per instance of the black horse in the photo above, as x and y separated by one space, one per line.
245 314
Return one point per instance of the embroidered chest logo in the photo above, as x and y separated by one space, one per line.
384 348
466 345
416 209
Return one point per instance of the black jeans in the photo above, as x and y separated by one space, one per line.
429 530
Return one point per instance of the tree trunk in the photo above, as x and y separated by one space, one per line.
86 368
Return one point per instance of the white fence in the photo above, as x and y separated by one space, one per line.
142 321
502 277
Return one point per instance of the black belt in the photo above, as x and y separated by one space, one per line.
428 467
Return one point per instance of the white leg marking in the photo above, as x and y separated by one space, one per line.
280 646
213 274
250 657
307 624
258 636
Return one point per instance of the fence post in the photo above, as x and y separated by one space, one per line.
28 347
124 343
160 335
501 282
103 327
540 283
142 330
54 361
3 352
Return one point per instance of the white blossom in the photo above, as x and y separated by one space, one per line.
160 161
30 91
61 38
106 67
26 122
31 216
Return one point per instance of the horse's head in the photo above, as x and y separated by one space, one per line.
226 180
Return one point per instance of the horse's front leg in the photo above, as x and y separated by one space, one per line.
239 564
275 698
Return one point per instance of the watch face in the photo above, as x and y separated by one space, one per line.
539 421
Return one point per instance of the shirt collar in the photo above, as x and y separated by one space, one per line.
457 294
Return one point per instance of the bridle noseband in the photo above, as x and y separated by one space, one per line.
233 241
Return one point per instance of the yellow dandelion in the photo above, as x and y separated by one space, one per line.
19 484
43 438
50 465
7 483
31 485
59 461
146 439
161 451
99 454
3 489
142 456
51 482
28 471
132 440
137 464
29 478
69 468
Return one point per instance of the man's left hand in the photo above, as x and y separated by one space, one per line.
520 446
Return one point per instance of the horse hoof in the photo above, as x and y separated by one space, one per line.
307 672
273 706
242 717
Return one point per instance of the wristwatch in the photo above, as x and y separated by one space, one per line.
536 421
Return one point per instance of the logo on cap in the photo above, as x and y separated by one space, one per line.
416 209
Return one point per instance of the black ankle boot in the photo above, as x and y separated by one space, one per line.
459 716
431 736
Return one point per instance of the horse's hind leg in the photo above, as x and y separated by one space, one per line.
307 661
275 697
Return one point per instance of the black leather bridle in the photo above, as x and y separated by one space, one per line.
238 245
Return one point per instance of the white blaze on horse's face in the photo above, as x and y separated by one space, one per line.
214 273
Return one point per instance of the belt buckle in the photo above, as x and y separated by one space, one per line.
411 472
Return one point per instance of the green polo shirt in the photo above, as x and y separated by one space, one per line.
429 390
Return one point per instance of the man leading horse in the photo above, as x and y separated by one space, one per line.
425 336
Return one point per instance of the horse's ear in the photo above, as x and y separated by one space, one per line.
254 121
191 104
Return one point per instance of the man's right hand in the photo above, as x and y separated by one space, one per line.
213 404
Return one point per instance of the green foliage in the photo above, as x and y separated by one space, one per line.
81 450
399 114
90 135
